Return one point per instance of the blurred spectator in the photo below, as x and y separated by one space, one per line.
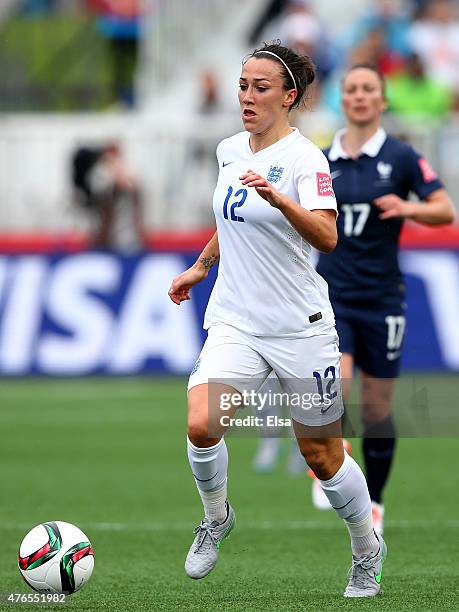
374 50
199 168
209 102
371 50
8 8
419 7
302 31
297 27
271 12
389 17
414 93
108 189
119 21
435 38
38 7
44 7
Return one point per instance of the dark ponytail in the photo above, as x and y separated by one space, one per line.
301 66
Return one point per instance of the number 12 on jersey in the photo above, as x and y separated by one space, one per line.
236 204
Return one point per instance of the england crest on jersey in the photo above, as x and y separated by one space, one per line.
275 174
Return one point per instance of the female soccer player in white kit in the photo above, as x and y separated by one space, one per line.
269 309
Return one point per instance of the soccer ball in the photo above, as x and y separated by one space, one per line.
56 557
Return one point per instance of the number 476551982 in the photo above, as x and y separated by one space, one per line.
33 598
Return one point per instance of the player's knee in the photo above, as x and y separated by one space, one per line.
198 433
319 460
375 411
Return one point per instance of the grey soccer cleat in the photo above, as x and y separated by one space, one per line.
366 573
203 554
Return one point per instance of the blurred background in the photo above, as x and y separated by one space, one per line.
110 111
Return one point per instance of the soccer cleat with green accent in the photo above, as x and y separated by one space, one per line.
365 574
203 554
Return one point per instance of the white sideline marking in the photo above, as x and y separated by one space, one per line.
241 526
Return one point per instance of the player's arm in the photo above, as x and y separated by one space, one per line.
318 227
181 285
209 256
436 209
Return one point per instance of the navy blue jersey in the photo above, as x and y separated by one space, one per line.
364 265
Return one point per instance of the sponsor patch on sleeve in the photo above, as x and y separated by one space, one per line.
428 174
324 185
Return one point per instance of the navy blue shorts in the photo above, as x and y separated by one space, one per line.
373 333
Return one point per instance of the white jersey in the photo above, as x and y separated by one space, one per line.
266 284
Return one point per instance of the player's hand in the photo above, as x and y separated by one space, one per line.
262 187
181 285
391 207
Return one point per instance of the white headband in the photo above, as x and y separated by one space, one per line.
282 61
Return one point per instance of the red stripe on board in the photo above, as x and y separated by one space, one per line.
414 236
18 243
179 241
41 243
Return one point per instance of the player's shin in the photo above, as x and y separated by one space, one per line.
210 469
348 494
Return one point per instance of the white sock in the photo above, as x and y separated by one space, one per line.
210 469
348 494
363 537
214 502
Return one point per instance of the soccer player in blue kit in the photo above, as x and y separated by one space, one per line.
373 175
269 310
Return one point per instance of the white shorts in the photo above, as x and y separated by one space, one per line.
308 369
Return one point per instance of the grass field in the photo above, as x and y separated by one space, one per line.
109 456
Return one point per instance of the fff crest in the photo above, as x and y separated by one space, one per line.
384 170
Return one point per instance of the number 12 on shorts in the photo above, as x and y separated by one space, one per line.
329 379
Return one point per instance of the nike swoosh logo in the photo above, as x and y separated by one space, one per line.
227 163
378 577
324 410
346 504
394 355
206 479
336 174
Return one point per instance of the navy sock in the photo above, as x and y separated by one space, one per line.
378 451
